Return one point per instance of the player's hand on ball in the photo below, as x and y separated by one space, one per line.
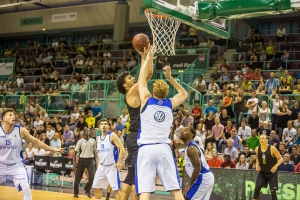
119 166
151 52
144 54
167 72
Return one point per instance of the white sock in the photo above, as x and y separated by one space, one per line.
26 191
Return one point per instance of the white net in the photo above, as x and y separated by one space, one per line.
164 31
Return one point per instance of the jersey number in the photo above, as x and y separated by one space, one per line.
7 142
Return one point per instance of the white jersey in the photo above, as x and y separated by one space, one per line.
189 168
11 146
156 122
108 152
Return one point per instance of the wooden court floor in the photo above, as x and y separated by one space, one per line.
11 193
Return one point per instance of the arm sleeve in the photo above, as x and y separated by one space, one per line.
78 145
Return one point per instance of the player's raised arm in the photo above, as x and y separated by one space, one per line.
26 136
143 59
115 140
142 82
182 93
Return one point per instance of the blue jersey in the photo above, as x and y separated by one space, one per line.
11 146
156 121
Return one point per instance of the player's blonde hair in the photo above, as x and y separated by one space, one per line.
160 89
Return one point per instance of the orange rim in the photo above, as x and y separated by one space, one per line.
147 12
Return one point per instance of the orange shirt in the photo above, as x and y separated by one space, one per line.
215 163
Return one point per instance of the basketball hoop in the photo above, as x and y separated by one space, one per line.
164 31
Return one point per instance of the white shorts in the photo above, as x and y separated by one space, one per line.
202 188
155 160
17 172
107 175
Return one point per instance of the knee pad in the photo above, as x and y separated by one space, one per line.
273 194
26 190
130 176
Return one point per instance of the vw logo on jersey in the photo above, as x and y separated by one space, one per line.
159 116
102 146
160 102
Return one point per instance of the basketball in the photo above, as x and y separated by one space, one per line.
140 41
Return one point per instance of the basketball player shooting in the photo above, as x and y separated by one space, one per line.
201 180
154 154
11 146
267 163
126 85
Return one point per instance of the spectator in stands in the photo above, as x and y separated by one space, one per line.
68 109
254 120
274 140
286 166
20 80
87 107
247 153
251 49
54 44
88 62
280 72
283 116
65 86
274 59
295 156
263 58
199 85
7 53
276 103
296 92
256 65
224 117
288 135
228 163
37 122
263 111
244 132
187 118
238 75
282 149
244 57
239 102
249 39
80 126
252 163
272 84
97 111
106 63
295 110
90 120
227 103
248 73
259 39
208 151
242 164
196 113
215 161
240 48
215 75
43 138
210 107
270 47
75 88
82 91
29 154
227 134
223 65
79 48
251 104
284 86
285 46
55 143
132 63
289 78
253 141
225 75
106 53
68 138
50 133
107 41
297 121
281 33
217 132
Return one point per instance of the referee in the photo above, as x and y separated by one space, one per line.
267 163
87 159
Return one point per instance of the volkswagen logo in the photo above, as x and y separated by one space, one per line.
159 116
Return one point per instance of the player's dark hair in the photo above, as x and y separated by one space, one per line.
103 120
120 81
193 131
7 110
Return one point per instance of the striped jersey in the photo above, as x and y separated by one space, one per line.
107 151
156 121
189 168
11 146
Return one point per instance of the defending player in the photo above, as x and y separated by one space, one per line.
126 85
110 162
201 180
267 163
154 154
11 146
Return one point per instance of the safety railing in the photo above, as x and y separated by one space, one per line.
193 94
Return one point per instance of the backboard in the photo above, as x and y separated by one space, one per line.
183 10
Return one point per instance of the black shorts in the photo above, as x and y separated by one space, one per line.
263 179
132 148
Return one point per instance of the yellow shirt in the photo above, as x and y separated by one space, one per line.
193 31
269 49
289 79
90 121
245 85
7 53
297 96
22 99
80 49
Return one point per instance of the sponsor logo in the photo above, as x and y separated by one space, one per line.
40 163
159 116
55 164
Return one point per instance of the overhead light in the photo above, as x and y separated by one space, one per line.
43 29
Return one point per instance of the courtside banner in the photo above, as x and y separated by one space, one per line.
235 184
180 62
65 17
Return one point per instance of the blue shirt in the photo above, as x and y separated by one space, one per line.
286 168
208 109
119 127
96 111
271 85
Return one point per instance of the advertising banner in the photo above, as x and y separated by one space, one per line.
31 21
6 68
65 17
234 184
181 62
